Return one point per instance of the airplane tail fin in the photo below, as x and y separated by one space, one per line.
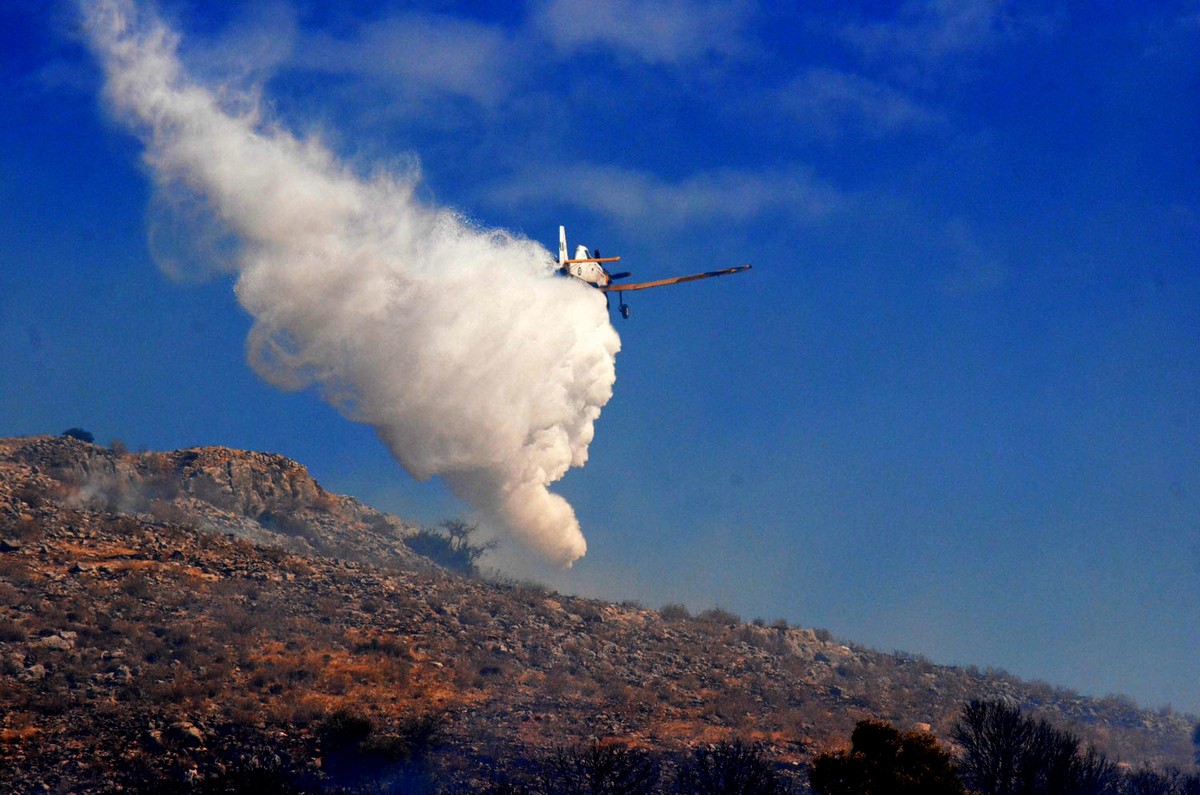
562 246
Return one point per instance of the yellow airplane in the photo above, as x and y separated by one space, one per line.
591 269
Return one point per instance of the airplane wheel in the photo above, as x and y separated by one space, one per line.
625 312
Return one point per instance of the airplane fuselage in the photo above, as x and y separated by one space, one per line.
588 270
588 266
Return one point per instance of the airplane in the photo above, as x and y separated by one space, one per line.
589 267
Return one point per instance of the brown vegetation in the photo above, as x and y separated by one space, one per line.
157 643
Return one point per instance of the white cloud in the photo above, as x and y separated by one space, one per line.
258 39
637 196
448 339
671 32
828 100
933 30
419 55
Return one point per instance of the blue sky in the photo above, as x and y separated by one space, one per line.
952 410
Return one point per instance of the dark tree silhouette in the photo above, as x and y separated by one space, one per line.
1169 782
600 769
80 434
882 761
730 768
358 757
451 545
1007 753
1147 782
1189 784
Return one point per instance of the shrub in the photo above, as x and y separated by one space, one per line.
340 737
358 756
730 768
506 786
326 502
588 611
282 519
1149 782
720 616
27 529
137 585
451 545
254 777
883 760
343 730
10 631
80 434
169 512
29 494
674 612
1004 751
601 769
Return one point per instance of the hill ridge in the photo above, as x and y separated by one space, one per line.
226 591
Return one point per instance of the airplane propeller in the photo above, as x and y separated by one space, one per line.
605 285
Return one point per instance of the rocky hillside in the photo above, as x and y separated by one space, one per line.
169 620
263 498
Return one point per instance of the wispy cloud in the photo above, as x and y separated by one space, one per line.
974 269
422 54
260 38
671 32
933 30
419 55
828 101
635 196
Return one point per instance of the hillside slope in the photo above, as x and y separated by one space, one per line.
167 617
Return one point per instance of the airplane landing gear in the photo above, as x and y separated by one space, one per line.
623 308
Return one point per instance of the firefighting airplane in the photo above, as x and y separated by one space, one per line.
591 270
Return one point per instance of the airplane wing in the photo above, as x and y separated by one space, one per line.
622 288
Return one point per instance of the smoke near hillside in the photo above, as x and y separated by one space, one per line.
454 343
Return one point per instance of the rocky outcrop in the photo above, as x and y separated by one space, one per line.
262 497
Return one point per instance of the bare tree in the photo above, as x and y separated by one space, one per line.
600 769
1007 753
451 545
730 768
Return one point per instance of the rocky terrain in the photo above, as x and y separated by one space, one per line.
170 620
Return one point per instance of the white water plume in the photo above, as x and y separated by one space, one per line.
469 359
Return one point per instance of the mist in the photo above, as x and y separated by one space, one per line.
471 361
